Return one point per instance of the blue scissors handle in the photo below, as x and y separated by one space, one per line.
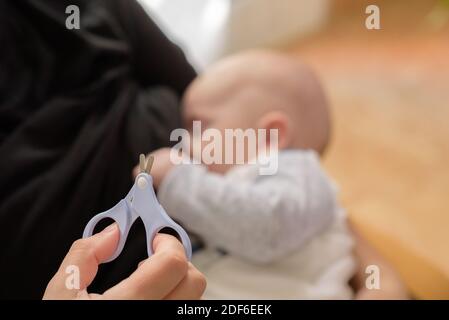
120 214
140 202
147 207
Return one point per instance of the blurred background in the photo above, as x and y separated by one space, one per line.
389 91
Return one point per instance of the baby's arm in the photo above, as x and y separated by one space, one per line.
260 221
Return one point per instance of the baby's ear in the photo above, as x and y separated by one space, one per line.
279 121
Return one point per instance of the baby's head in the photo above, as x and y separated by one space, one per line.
261 90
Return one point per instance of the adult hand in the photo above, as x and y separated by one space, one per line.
165 275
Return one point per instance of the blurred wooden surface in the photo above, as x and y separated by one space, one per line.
389 91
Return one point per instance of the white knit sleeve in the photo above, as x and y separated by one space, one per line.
259 220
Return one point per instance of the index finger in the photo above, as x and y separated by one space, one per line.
81 262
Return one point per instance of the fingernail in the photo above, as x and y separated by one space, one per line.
110 228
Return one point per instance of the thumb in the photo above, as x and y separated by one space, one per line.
80 265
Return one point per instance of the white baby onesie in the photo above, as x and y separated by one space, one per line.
284 234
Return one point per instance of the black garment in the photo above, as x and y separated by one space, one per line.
76 109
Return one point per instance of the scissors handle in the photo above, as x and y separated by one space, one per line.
163 222
154 217
140 202
120 214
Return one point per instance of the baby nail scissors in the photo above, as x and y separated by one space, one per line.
140 202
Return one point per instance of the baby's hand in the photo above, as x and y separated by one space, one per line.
161 165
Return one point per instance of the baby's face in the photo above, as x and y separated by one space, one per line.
259 90
220 110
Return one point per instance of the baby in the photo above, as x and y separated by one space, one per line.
266 236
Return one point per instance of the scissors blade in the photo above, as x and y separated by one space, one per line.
144 165
142 162
149 164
